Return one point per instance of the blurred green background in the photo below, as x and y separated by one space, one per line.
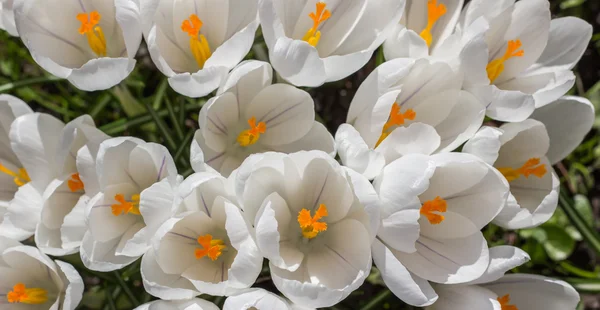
566 247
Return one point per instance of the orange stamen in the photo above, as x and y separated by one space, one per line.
396 119
434 13
93 32
20 178
504 300
313 35
531 167
198 43
496 67
21 294
436 205
251 136
310 225
211 248
126 207
75 184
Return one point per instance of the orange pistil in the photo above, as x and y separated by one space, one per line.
532 166
198 43
313 35
396 119
436 205
213 248
504 300
310 225
93 32
126 207
75 184
21 294
434 13
496 67
20 177
251 136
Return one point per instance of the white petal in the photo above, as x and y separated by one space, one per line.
318 138
404 43
356 154
522 141
368 201
485 144
74 289
127 15
232 51
100 256
7 18
163 285
456 297
297 62
255 298
23 214
417 138
510 106
247 79
198 84
101 73
502 259
400 230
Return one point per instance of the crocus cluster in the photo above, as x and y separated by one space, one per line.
418 174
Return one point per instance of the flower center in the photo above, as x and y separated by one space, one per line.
310 225
436 205
75 184
504 300
24 295
496 66
313 35
396 119
126 206
251 136
213 248
93 32
20 177
434 13
531 166
198 43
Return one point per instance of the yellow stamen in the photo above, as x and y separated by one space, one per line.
93 32
75 184
211 248
532 166
504 300
311 226
251 136
436 205
198 43
396 119
24 295
496 67
313 35
434 13
126 207
20 178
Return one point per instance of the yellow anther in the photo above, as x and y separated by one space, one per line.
532 166
126 207
24 295
251 136
20 178
496 66
198 43
436 205
93 32
434 13
310 225
313 35
213 248
504 300
75 184
396 119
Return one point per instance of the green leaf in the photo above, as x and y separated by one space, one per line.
571 4
559 244
583 206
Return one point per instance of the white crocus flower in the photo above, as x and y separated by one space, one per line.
7 17
530 57
196 43
11 169
433 208
309 223
496 291
31 280
192 304
205 248
259 299
34 138
525 152
62 222
91 43
424 25
119 230
403 107
311 42
250 115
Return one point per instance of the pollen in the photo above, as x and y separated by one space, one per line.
496 67
531 167
396 119
126 206
75 184
21 294
213 248
198 43
310 225
434 13
436 205
251 136
20 176
313 35
504 303
93 32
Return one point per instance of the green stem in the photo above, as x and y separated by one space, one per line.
98 107
590 236
585 285
175 122
111 298
162 127
39 80
377 300
127 290
185 145
578 271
